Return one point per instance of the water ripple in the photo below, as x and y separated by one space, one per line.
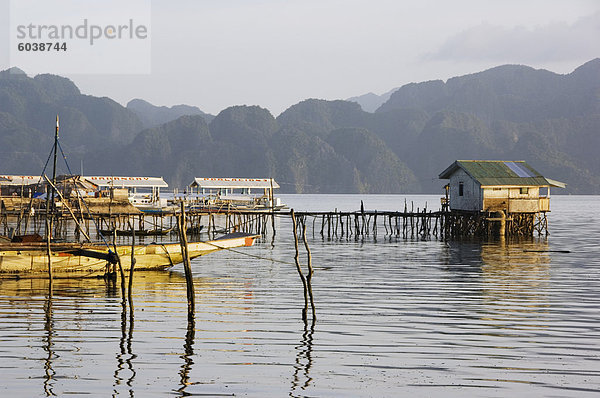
394 317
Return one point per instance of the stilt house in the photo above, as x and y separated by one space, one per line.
493 186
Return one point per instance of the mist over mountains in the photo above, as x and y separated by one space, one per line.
153 116
370 102
509 112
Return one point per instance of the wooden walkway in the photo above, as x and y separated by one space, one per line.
408 225
421 224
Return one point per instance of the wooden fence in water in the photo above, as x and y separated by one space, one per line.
422 224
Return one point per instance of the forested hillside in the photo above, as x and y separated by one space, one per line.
317 146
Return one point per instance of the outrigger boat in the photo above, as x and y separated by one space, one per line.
87 259
30 254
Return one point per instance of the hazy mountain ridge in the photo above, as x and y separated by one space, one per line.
316 146
370 102
152 115
32 104
513 112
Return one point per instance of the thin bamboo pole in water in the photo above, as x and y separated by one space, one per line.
296 259
186 262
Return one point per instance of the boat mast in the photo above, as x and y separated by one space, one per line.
55 149
50 191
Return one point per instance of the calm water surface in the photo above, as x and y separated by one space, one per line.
395 317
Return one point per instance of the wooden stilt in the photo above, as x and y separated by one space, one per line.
49 250
310 271
186 262
121 273
130 287
298 268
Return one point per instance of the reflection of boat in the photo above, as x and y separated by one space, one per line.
92 259
146 287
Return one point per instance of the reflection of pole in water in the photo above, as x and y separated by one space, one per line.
131 355
188 352
111 287
303 359
122 352
125 355
48 346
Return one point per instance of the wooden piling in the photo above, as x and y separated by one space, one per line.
310 271
272 212
298 268
49 250
130 287
186 262
121 273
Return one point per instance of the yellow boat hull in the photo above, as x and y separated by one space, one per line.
33 258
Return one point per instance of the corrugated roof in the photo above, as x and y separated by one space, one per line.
499 172
557 184
77 182
233 183
128 182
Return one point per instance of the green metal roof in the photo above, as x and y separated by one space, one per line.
499 172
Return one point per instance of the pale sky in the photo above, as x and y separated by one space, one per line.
274 53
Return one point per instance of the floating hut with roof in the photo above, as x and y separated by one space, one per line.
511 193
142 192
234 193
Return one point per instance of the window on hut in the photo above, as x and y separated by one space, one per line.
461 189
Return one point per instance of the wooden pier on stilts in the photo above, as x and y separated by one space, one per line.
422 224
410 223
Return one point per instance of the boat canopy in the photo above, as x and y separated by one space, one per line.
128 182
233 183
20 180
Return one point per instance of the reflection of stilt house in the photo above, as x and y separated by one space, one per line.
484 197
